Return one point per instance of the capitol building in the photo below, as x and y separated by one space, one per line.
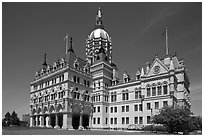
75 93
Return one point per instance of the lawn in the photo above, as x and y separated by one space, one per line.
46 131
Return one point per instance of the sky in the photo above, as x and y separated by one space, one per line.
31 29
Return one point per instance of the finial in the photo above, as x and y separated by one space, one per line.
70 48
99 20
156 55
45 63
66 43
99 12
171 66
142 72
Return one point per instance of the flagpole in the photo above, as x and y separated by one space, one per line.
167 50
66 43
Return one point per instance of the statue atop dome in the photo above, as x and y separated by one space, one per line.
99 19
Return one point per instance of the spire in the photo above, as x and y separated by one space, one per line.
165 33
70 48
99 19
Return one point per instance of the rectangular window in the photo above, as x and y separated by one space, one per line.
94 120
127 120
140 107
140 120
98 109
106 109
156 104
115 109
98 120
111 109
136 95
148 120
148 106
115 120
127 108
153 91
136 107
136 120
165 103
94 109
123 120
123 108
106 120
111 121
159 90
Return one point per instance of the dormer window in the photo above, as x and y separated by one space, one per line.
76 64
126 77
55 66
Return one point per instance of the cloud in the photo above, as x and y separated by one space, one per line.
196 89
165 12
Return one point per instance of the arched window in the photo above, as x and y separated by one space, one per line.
159 89
148 91
153 90
165 89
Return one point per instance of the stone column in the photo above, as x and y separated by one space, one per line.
31 121
80 122
41 121
36 121
48 121
90 120
69 120
56 122
64 126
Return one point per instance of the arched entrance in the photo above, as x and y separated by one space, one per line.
85 116
60 120
75 120
85 120
52 118
76 116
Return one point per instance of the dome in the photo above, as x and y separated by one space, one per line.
97 33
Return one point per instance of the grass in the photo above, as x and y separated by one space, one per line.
47 131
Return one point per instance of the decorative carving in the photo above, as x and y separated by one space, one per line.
156 70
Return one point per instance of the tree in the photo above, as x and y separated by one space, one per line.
175 119
14 119
7 119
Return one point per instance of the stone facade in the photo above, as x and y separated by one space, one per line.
77 93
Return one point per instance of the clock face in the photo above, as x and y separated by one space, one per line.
156 69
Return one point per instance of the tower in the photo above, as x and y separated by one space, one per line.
98 38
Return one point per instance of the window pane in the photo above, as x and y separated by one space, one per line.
148 92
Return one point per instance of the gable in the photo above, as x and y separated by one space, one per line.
156 68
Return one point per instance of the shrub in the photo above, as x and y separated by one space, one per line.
159 128
148 128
